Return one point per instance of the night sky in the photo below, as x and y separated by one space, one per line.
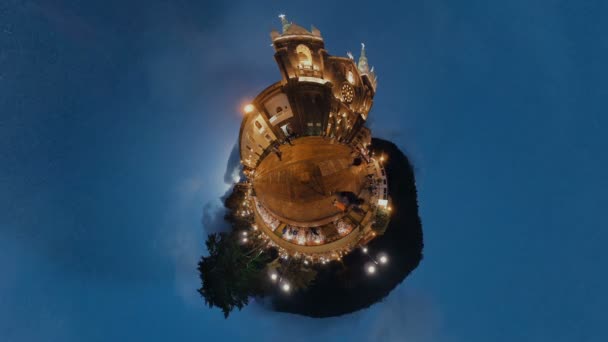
117 120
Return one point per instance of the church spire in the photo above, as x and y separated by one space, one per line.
284 22
362 65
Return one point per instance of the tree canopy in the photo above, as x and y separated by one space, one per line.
231 273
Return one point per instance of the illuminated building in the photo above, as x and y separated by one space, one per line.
315 189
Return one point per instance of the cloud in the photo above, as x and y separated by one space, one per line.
213 218
185 236
233 168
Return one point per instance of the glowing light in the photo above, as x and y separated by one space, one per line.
383 259
248 108
245 240
286 287
305 262
371 269
244 233
274 277
364 249
383 203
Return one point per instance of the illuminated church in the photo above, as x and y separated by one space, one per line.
318 94
314 186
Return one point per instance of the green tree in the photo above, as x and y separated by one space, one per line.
231 273
239 211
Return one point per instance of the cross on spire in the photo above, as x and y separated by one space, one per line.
362 65
284 22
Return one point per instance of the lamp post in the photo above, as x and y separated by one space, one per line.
371 267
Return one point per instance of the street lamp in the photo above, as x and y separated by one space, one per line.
286 287
383 259
274 277
371 269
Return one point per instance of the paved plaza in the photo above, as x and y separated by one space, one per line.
300 187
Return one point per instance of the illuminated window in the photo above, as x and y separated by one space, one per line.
304 55
350 77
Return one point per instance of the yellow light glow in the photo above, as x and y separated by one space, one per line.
248 108
371 269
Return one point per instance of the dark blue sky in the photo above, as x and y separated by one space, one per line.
117 120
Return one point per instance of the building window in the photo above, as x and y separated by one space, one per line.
258 125
279 109
268 137
304 55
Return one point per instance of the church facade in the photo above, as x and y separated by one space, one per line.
318 95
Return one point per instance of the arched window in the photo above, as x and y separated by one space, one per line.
304 55
350 77
258 124
279 109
